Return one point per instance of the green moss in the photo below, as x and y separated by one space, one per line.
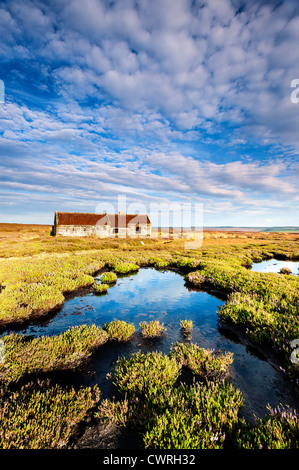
159 262
186 325
100 288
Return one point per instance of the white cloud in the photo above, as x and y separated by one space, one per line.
189 62
140 93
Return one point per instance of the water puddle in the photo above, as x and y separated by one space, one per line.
274 266
162 295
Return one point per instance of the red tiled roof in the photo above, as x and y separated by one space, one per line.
114 220
123 220
77 218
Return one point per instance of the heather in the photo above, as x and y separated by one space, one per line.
24 355
41 415
38 274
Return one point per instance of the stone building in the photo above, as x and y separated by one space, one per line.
77 224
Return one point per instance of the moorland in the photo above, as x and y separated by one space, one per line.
37 274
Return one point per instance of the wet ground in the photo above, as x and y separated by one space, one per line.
163 295
274 266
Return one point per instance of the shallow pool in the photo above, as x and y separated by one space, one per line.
163 295
274 266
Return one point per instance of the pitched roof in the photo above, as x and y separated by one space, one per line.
123 220
114 220
78 218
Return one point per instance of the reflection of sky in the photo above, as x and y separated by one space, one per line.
154 294
145 296
149 295
150 287
274 266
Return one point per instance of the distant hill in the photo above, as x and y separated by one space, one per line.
281 229
254 229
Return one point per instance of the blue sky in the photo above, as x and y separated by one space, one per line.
158 101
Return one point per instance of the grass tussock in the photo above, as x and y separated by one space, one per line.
152 329
124 268
119 330
100 288
145 374
196 417
186 326
108 278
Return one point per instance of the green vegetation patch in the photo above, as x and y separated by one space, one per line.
119 330
146 374
19 302
41 416
158 262
186 326
100 288
285 271
196 417
116 412
152 329
202 362
277 430
24 355
124 268
108 277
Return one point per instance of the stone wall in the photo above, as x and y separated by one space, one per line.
103 231
83 231
142 230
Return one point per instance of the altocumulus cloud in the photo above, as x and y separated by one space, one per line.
160 100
